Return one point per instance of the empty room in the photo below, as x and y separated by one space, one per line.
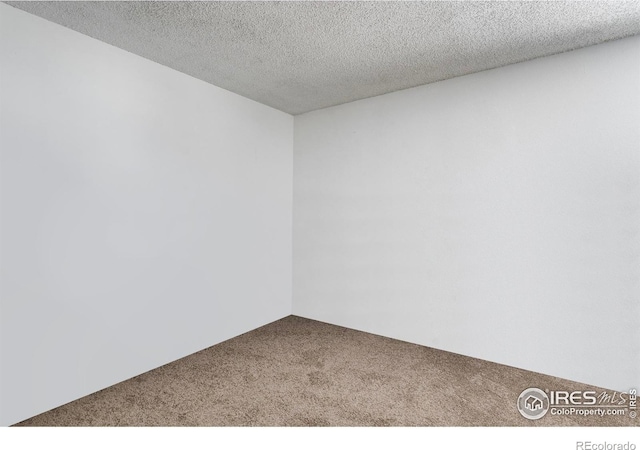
320 214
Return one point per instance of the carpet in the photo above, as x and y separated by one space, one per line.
301 372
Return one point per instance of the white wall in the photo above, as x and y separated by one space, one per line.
145 215
495 215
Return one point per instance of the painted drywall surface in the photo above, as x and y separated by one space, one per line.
494 215
145 215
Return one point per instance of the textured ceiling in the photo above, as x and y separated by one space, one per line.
301 56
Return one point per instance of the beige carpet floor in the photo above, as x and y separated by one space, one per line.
300 372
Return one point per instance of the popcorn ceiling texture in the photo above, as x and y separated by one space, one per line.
302 56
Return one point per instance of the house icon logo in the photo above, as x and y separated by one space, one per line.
533 403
